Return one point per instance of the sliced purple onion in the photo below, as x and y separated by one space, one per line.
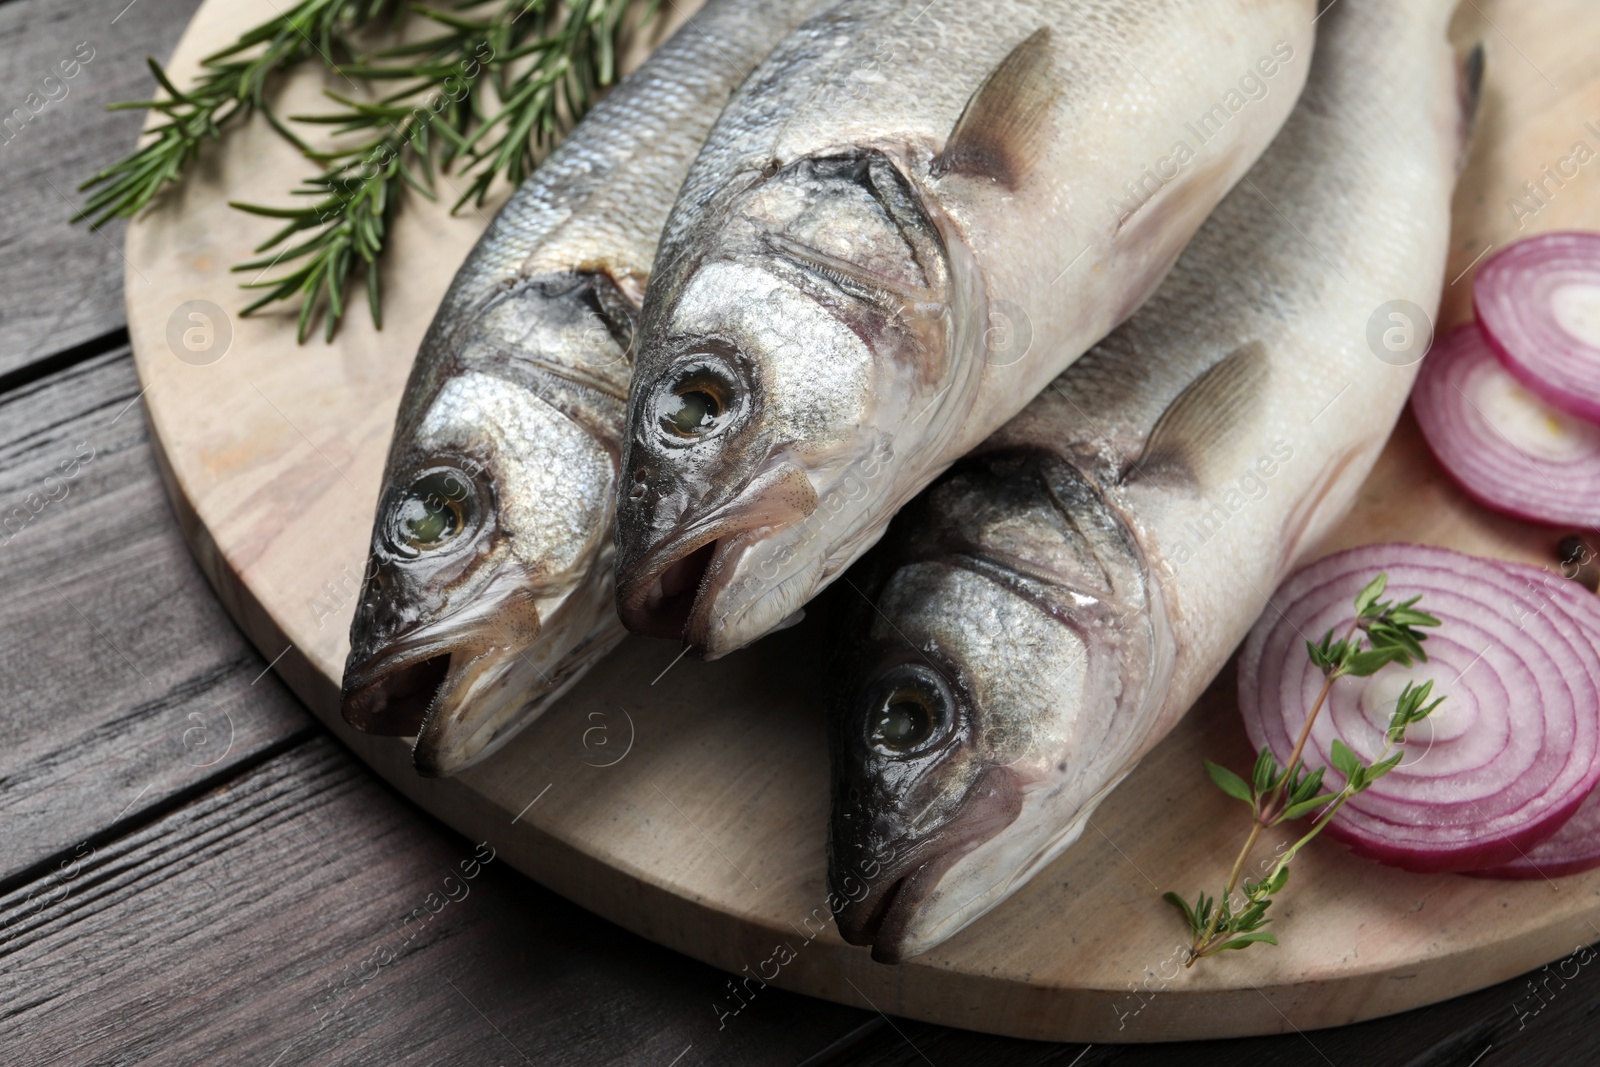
1515 748
1507 448
1538 302
1573 849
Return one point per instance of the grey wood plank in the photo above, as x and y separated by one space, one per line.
307 914
122 680
61 285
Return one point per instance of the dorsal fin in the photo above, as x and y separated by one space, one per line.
1003 131
1185 437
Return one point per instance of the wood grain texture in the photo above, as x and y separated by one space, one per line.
122 680
306 915
708 836
61 286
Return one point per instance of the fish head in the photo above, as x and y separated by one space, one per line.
488 586
985 700
782 364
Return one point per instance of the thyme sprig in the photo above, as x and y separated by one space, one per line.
1382 633
542 62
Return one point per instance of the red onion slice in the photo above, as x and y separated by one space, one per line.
1514 750
1576 846
1538 301
1570 850
1508 449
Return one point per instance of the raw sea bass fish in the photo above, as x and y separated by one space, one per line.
907 221
488 591
1049 609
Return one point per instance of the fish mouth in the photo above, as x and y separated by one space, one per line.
441 698
394 700
672 590
448 681
888 917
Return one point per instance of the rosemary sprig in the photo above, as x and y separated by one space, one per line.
1382 633
546 61
231 84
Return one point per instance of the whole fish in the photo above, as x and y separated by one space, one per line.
908 220
489 587
1047 611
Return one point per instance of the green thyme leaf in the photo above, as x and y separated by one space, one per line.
1382 767
1370 594
1302 807
1371 661
1249 939
1307 785
1345 760
1229 782
1188 913
1411 707
1265 773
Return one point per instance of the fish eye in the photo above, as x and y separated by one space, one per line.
909 708
695 402
433 510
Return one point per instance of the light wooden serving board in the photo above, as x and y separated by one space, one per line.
693 809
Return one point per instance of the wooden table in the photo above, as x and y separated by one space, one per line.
193 872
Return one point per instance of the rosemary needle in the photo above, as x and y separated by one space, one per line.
231 85
542 61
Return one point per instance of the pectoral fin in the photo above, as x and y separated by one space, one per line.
1187 436
1003 131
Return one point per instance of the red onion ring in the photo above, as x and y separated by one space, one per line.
1538 301
1505 447
1512 753
1573 849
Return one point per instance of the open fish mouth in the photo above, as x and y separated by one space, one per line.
891 916
450 697
455 681
673 591
393 699
659 597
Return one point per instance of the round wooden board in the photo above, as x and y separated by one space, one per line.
691 807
